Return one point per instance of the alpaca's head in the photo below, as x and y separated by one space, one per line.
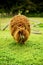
21 35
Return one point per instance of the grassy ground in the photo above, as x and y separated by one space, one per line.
12 53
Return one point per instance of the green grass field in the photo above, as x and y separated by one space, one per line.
12 53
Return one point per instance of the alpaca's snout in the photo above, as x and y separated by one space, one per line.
21 35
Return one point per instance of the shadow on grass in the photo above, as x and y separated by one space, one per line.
13 45
16 44
28 44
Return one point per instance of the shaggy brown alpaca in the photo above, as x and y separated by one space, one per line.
20 28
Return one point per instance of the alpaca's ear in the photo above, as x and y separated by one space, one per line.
6 26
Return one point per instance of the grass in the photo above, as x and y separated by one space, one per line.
12 53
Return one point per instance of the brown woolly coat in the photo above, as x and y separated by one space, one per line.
20 26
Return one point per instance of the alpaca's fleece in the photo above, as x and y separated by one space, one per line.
20 28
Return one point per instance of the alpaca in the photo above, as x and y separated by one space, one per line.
20 28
